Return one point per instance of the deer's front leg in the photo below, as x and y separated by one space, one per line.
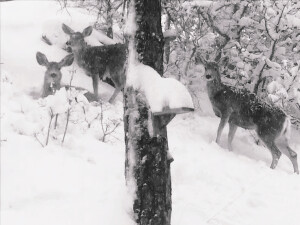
224 120
95 78
116 92
232 130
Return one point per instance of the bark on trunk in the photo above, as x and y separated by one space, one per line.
109 21
167 44
146 156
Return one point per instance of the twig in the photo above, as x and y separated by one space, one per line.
106 133
38 140
105 129
85 119
49 126
294 78
46 40
55 122
66 127
73 71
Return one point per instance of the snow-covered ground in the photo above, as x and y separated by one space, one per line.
82 181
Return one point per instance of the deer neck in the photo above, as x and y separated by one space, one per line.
79 54
213 87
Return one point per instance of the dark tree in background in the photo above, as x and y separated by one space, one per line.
149 36
150 168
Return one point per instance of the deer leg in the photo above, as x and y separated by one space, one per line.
275 156
292 155
286 149
232 130
116 92
95 78
274 151
224 120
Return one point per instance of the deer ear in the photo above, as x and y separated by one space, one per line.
87 31
42 59
199 59
67 29
67 61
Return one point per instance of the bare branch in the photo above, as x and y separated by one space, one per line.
38 140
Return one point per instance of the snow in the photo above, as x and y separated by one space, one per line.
22 37
293 21
170 33
246 21
274 86
130 25
273 65
82 181
162 93
198 3
59 102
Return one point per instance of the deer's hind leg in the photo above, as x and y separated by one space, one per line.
290 153
116 92
276 154
95 78
293 157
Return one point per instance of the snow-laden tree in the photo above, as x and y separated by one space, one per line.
150 103
108 14
255 42
147 167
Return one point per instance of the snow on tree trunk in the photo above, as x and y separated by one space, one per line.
167 44
147 168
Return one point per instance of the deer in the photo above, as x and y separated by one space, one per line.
53 75
97 61
240 108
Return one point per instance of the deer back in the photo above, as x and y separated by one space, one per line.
110 58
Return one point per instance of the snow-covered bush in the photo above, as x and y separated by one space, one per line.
58 118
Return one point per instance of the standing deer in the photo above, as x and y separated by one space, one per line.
240 108
53 74
98 60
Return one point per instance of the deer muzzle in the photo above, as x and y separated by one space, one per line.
208 76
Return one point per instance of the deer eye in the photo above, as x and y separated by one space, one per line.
53 75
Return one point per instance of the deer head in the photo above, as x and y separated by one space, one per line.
212 71
53 75
76 39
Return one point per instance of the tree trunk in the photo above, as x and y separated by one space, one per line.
109 19
167 44
149 36
147 164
